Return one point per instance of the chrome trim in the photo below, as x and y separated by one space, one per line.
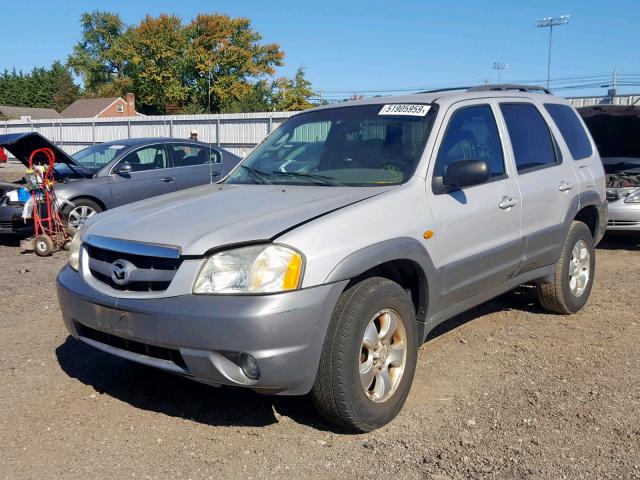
134 248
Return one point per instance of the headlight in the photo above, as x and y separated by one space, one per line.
74 250
633 197
255 269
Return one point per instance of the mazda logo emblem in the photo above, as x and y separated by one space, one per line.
121 271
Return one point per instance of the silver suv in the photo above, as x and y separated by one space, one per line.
322 262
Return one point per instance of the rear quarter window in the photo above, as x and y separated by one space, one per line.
571 129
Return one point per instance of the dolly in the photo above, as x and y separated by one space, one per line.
50 232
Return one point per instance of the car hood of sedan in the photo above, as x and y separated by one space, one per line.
209 217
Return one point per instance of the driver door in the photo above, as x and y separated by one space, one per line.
477 228
150 176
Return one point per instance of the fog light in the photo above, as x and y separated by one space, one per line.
250 366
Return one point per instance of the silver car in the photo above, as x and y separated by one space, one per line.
111 174
324 259
615 130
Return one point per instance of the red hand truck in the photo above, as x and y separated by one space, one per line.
50 232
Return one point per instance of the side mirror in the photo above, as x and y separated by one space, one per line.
465 173
123 168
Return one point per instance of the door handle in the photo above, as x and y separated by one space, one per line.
215 174
507 202
168 179
565 186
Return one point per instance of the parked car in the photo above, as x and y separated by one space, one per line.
329 254
111 174
11 209
616 131
3 156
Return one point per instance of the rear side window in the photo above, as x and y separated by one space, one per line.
472 134
571 129
532 143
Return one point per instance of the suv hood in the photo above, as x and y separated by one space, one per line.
21 145
200 219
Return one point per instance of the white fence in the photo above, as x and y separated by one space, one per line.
617 100
236 132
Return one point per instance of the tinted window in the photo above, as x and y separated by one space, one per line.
147 158
97 156
186 155
571 129
531 139
472 134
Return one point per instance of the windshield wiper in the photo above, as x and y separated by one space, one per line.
325 180
259 174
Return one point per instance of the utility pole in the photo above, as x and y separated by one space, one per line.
499 66
551 22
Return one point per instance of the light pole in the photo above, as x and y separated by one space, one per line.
499 66
551 22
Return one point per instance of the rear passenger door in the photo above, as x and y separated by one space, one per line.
151 174
547 182
477 228
195 164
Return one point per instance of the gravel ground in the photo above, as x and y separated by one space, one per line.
504 391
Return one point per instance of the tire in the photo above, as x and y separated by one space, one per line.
569 292
43 245
82 208
339 392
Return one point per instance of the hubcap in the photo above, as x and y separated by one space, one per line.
79 214
383 355
579 268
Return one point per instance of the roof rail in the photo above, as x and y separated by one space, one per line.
502 87
450 89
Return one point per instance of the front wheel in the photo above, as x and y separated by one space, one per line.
80 211
574 273
369 356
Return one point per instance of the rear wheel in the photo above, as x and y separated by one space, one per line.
574 273
369 356
80 211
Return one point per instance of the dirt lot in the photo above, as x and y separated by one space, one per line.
505 391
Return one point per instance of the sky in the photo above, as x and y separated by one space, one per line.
373 46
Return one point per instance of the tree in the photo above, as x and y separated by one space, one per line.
64 90
92 58
227 54
293 95
152 57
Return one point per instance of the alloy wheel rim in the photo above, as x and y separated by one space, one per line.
383 355
79 214
579 268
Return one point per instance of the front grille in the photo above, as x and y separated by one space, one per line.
150 273
114 341
623 223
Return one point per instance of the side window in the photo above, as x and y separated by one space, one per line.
187 155
571 129
532 143
147 158
472 134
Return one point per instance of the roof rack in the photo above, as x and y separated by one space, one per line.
503 87
498 87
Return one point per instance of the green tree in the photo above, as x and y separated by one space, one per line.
231 53
92 58
293 94
152 57
64 90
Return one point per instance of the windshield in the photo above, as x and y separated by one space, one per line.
368 145
97 156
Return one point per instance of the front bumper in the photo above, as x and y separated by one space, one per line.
201 336
624 216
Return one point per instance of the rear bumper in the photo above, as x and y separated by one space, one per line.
202 336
